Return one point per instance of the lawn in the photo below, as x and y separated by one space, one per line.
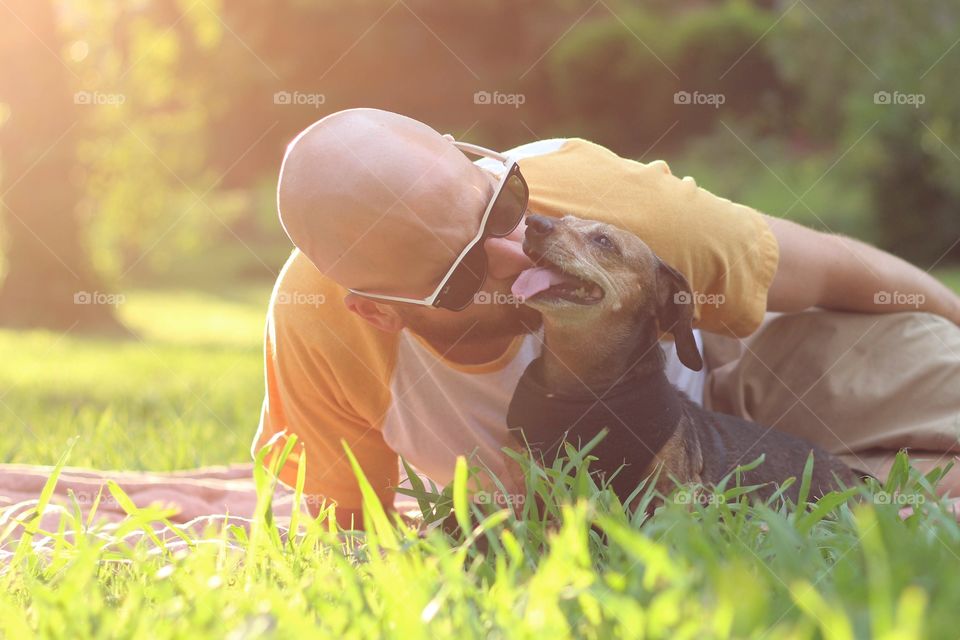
187 393
950 277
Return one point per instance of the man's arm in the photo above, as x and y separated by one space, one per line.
326 373
835 272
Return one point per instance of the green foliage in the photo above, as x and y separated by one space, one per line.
768 174
809 74
721 568
177 182
615 76
145 158
882 81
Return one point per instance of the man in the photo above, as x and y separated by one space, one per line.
363 343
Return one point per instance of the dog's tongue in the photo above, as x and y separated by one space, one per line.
534 280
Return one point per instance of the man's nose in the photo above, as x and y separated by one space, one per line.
538 225
505 256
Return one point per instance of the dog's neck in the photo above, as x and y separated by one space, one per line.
579 359
586 382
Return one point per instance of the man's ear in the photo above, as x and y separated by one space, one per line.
379 315
675 313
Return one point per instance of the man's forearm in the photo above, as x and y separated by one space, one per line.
818 269
875 281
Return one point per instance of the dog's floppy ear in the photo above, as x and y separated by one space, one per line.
675 313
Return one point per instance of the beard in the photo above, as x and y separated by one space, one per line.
496 321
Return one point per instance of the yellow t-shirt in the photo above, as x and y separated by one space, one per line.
330 375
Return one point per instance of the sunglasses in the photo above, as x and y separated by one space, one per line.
466 275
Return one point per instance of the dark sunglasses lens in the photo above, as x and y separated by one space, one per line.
509 207
465 281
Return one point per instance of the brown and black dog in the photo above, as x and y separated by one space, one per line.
605 298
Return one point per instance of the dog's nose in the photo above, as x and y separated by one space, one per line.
538 225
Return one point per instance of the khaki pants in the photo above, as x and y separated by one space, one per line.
862 386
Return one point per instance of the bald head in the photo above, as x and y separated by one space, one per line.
378 201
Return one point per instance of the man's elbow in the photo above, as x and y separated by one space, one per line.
799 281
806 258
793 290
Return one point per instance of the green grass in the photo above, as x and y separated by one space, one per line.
950 276
185 393
581 567
188 393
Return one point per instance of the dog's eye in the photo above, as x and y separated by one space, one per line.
603 240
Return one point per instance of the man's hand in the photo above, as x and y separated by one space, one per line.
835 272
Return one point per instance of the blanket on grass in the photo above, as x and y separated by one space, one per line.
203 497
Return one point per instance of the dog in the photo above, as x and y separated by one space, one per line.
606 298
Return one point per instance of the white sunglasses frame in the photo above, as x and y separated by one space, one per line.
432 298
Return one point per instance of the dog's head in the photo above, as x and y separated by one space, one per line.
587 273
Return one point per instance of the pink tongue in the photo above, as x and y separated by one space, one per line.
532 281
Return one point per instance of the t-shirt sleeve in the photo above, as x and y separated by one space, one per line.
326 381
726 250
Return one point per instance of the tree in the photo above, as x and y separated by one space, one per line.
880 82
49 281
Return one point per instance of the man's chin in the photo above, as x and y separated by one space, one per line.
514 321
517 321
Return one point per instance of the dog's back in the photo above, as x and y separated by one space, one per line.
728 442
655 428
